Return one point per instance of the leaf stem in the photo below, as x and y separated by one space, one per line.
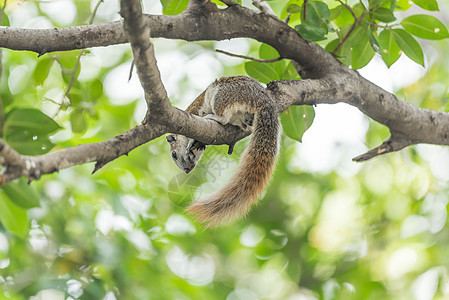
305 8
356 21
78 59
380 26
250 58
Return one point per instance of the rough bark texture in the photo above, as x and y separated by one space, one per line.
325 80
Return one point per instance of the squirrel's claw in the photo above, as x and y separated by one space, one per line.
230 149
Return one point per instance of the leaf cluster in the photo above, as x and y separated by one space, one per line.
355 33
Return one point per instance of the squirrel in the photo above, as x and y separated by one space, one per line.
241 101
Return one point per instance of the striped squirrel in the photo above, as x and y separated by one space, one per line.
243 102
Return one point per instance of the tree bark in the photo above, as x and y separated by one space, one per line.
324 80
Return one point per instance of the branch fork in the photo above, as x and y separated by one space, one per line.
325 80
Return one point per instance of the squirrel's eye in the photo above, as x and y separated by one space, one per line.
173 155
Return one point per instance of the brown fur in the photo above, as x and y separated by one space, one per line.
257 162
195 106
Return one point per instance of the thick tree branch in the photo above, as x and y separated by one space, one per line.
139 37
233 22
206 131
33 167
326 81
408 124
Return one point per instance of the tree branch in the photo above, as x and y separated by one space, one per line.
139 37
249 58
238 21
390 145
408 124
326 81
264 7
33 167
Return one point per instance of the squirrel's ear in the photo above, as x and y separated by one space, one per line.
171 138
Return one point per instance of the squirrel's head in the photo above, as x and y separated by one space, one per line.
185 152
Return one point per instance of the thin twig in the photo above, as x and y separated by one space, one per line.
131 71
380 26
94 12
78 59
74 71
392 144
139 36
250 58
348 8
356 21
305 9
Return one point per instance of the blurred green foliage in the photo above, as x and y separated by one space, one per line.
377 230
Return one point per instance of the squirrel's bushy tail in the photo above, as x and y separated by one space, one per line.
254 171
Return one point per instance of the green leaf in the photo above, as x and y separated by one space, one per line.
375 3
67 59
296 120
42 69
431 5
5 20
425 27
77 96
173 7
316 12
96 90
388 48
362 53
31 120
393 5
384 15
78 121
293 8
403 4
21 194
361 50
312 32
12 217
408 45
290 72
336 11
343 18
356 50
313 27
374 43
343 54
267 52
7 99
27 130
27 143
261 71
365 3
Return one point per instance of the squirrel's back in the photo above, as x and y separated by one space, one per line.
257 162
